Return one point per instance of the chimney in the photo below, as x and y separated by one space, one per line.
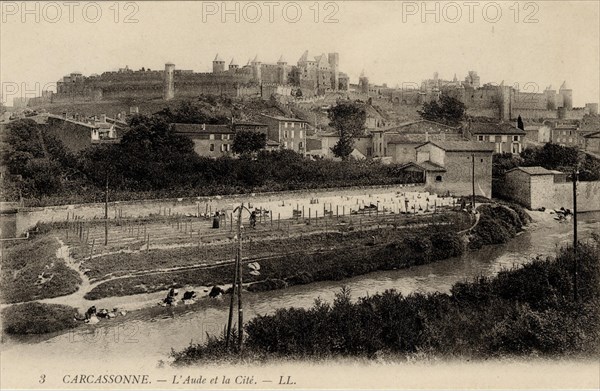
102 118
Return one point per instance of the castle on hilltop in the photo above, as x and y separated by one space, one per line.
309 77
489 100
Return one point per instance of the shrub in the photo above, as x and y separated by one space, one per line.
38 318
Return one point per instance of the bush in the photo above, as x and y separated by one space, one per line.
38 318
526 311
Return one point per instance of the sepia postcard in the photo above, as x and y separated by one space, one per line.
299 195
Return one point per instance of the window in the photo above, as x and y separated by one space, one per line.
285 124
301 134
300 145
504 139
570 139
211 137
438 178
481 160
564 133
292 132
212 146
480 138
515 138
292 127
223 136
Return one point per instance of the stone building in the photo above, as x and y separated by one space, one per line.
448 167
290 133
209 140
537 187
312 75
504 137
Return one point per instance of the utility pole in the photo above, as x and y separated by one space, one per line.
239 272
473 182
576 261
106 212
237 287
231 301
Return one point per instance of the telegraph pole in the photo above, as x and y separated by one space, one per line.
239 273
231 301
576 261
473 182
106 211
237 287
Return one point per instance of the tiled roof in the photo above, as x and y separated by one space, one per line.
280 118
494 128
425 166
200 128
461 146
422 126
535 170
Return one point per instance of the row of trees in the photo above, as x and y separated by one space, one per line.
151 158
551 157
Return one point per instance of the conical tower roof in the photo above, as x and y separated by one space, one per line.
233 62
281 59
256 59
218 58
564 86
304 57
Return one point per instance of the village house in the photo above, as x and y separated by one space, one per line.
591 142
454 166
209 140
398 143
217 140
289 133
77 133
321 145
565 134
532 187
503 137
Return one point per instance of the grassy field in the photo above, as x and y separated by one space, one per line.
38 318
259 243
32 271
357 253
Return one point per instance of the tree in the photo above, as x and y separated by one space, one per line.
520 124
448 110
247 142
348 118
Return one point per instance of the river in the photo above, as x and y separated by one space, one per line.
147 336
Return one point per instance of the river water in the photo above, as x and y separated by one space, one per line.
147 336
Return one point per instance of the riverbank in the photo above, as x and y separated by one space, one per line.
322 257
148 333
529 311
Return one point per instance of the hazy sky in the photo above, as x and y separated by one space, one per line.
390 40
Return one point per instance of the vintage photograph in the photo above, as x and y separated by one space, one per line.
299 195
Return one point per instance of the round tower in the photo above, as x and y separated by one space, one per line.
282 69
233 64
218 64
256 69
363 83
550 94
169 83
567 96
